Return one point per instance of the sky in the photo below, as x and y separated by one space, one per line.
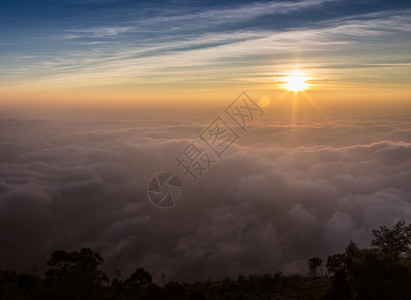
97 97
106 52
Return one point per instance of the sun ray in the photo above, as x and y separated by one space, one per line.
315 105
294 109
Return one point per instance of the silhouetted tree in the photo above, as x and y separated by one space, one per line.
75 275
393 241
139 278
334 263
383 272
117 286
163 278
313 264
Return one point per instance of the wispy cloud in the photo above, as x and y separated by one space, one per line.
163 49
242 13
175 21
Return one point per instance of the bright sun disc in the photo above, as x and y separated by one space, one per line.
296 82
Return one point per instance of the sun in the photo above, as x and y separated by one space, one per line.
296 81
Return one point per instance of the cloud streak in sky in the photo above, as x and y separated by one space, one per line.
125 55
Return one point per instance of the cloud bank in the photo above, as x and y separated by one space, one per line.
279 196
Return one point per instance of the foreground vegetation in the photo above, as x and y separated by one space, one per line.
380 272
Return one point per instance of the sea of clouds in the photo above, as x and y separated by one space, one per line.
280 195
